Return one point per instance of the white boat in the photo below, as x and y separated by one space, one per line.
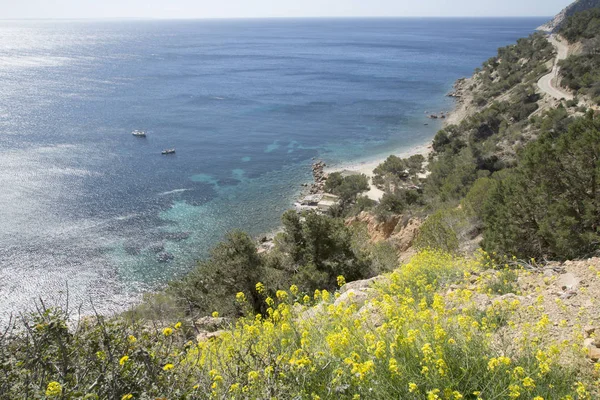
139 133
168 151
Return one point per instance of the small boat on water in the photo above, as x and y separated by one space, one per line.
168 151
138 133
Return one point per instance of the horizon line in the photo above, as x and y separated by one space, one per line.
270 18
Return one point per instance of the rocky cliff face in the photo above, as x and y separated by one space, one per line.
577 6
400 231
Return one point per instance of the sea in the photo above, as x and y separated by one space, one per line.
93 216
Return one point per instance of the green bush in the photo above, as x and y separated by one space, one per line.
233 266
318 248
475 200
442 231
347 188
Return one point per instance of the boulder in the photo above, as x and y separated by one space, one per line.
352 296
361 285
211 324
204 336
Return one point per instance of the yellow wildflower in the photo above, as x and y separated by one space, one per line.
412 387
54 389
240 297
127 397
260 288
132 339
178 325
167 331
215 314
294 289
341 281
123 360
168 367
281 295
528 383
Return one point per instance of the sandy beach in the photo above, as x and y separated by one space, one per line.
367 167
460 110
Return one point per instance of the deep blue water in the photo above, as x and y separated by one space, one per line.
247 104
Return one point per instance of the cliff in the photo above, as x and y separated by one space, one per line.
561 17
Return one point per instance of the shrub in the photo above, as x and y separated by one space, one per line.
347 188
443 230
233 266
319 248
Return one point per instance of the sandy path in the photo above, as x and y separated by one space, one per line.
546 82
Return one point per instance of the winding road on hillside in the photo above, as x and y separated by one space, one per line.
545 83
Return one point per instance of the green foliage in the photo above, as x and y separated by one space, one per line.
395 170
582 25
234 265
582 74
451 175
318 248
394 203
502 282
550 205
442 230
417 340
475 200
522 62
347 187
98 358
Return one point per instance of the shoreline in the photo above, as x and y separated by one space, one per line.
366 167
459 111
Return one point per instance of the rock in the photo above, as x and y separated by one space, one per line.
590 330
593 353
204 336
211 324
374 316
352 296
509 297
164 257
568 295
404 239
360 285
568 281
378 231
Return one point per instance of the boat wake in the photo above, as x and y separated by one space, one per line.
173 192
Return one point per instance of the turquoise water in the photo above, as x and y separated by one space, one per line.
247 104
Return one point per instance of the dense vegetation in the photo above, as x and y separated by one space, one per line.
581 73
411 340
550 204
523 62
582 25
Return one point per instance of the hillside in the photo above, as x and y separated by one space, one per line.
574 8
441 327
474 277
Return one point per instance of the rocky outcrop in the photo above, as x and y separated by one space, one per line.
319 177
378 230
400 231
561 17
404 239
